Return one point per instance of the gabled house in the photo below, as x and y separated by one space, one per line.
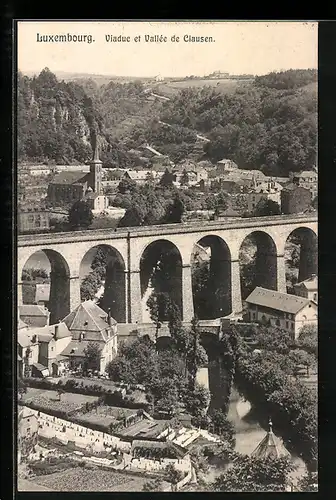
89 324
281 310
307 288
34 315
53 340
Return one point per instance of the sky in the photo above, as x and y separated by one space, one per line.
237 47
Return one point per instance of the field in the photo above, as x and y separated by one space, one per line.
49 400
170 89
83 479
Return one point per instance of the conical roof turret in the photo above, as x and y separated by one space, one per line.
270 446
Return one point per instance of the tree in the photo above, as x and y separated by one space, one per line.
174 211
92 353
222 426
90 286
184 181
31 274
167 179
173 476
308 339
309 482
250 474
134 216
158 305
266 207
127 185
80 215
59 393
154 485
301 357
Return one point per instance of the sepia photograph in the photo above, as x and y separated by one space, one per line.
166 327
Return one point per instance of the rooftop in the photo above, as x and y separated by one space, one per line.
277 300
306 173
70 177
270 446
33 310
310 283
75 348
88 317
290 186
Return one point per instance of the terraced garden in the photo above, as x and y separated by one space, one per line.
82 479
45 400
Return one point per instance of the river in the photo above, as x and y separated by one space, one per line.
249 429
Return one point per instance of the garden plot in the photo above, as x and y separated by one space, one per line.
51 400
83 479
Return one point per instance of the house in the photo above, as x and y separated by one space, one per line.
270 447
88 324
27 432
295 199
269 190
27 351
281 310
158 449
33 219
225 166
228 213
34 314
307 288
39 170
53 340
306 179
70 186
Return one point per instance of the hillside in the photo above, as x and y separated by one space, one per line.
269 123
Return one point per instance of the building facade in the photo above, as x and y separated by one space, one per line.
306 179
33 220
269 190
281 310
89 324
307 288
34 315
295 199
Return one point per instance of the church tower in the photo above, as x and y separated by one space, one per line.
96 170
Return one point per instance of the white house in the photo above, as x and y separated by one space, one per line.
269 190
88 323
281 310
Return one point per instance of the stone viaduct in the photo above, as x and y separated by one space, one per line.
67 252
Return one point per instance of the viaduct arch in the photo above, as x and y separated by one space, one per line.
135 246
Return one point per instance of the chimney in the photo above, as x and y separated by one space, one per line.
56 331
109 316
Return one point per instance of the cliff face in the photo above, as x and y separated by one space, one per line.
56 120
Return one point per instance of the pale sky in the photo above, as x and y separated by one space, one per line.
238 47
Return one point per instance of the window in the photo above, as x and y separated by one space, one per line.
30 218
277 322
292 326
286 324
315 296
